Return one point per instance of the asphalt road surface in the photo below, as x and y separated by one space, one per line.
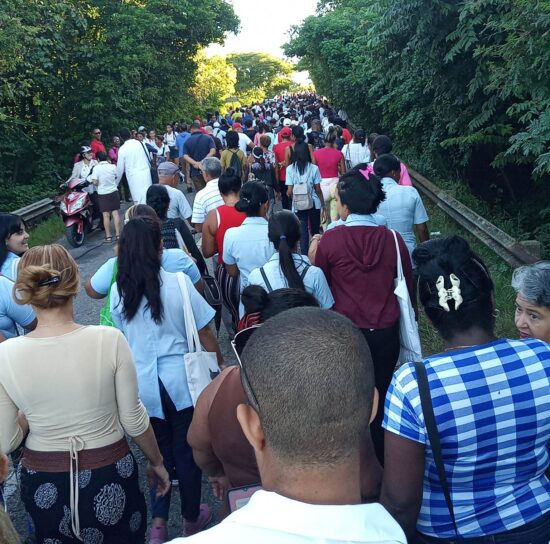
90 257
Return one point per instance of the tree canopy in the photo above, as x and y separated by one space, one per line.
69 65
260 75
461 86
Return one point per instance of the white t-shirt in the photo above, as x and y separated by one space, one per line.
356 153
269 518
244 142
105 175
170 139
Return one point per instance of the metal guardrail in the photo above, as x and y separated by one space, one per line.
509 249
37 211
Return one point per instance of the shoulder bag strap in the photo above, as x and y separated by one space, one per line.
304 272
193 341
399 265
433 435
266 281
146 153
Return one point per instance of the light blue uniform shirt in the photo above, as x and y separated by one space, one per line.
359 220
314 280
247 246
311 176
402 208
172 260
12 313
9 267
158 350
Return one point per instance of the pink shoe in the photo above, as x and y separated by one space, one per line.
193 527
158 535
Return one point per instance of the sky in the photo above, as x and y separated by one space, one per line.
264 26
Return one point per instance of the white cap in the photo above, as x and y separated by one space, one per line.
287 122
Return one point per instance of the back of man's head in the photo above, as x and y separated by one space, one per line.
195 125
125 134
312 382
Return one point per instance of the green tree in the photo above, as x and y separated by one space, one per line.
460 86
260 75
214 84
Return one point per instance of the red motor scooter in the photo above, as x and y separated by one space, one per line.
75 208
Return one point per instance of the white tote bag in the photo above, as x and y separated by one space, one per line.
411 349
201 366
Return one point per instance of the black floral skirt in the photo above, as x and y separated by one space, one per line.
111 506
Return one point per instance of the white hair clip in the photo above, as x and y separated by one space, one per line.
449 294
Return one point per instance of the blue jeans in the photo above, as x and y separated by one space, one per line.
171 435
534 532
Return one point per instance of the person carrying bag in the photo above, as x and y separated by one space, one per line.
201 367
409 337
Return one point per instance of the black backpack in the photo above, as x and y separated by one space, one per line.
236 163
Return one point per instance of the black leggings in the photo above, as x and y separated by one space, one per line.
384 347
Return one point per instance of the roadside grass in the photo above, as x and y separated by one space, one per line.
47 231
501 274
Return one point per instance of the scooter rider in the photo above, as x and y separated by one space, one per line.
82 170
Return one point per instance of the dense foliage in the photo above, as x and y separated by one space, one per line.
260 75
67 66
462 87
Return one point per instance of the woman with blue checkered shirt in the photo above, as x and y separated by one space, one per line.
491 408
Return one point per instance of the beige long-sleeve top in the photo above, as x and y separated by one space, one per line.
81 384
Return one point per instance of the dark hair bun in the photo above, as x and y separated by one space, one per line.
446 253
254 299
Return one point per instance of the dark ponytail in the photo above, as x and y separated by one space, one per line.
284 232
138 273
253 196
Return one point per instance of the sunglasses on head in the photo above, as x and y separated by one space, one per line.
238 343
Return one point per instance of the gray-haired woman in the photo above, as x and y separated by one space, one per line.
532 285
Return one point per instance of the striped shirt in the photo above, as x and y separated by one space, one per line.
207 199
492 409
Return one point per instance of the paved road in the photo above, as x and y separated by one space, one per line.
89 258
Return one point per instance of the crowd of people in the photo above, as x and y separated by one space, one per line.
328 429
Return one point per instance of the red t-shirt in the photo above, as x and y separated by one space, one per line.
327 160
346 135
360 264
229 217
97 146
279 150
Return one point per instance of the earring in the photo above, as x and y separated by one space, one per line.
496 313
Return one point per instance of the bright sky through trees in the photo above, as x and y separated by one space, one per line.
264 25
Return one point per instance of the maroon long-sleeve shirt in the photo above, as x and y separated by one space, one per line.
360 264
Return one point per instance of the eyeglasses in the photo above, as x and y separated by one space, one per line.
238 343
98 132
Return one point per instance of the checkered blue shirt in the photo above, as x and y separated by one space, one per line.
492 408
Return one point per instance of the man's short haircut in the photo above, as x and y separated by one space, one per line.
212 166
196 125
125 134
312 375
